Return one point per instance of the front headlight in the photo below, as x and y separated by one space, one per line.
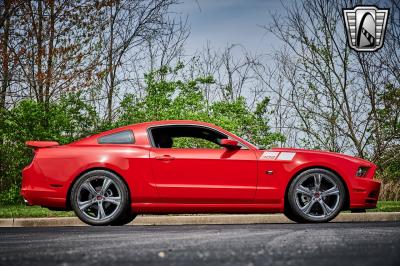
362 171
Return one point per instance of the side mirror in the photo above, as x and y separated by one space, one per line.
229 143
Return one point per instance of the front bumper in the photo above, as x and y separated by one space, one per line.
364 193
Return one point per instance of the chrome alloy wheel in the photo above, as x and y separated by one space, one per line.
317 195
99 198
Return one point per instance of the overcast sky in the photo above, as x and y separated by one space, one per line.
224 22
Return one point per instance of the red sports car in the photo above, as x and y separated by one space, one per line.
192 167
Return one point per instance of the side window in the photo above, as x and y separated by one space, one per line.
122 137
189 137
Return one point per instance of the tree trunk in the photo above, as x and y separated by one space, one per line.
5 79
49 57
39 39
111 72
5 58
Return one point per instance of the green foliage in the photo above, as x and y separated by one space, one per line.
64 121
389 124
237 118
389 112
11 196
177 99
17 211
389 164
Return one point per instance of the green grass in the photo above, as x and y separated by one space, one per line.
17 211
387 206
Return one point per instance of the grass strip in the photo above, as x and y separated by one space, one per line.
19 211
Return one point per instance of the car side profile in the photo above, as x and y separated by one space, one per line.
182 166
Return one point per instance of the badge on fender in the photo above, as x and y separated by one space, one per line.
269 155
278 156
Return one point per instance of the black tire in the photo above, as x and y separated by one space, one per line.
116 191
291 216
128 217
315 205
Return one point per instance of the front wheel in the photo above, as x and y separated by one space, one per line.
316 195
100 197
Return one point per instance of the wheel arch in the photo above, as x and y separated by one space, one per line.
300 171
68 198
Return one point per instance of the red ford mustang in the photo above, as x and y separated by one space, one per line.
192 167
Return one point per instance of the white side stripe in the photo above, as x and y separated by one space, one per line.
286 156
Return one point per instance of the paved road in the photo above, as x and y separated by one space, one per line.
262 244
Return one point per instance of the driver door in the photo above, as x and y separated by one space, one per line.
202 174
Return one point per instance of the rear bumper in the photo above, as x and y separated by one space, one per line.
35 189
42 198
364 194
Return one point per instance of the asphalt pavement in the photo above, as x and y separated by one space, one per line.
373 243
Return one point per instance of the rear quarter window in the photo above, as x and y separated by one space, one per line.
122 137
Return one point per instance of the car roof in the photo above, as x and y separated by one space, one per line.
142 127
173 122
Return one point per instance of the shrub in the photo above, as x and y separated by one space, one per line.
64 121
11 196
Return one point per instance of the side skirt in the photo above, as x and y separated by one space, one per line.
157 208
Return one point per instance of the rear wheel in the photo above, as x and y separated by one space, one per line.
316 195
100 197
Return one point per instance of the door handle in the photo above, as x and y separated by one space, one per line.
164 157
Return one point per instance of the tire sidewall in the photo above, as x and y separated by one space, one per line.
292 196
120 212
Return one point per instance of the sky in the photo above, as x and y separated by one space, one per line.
225 22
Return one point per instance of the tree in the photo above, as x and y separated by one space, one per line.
54 48
388 120
183 99
129 24
332 91
234 75
8 12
